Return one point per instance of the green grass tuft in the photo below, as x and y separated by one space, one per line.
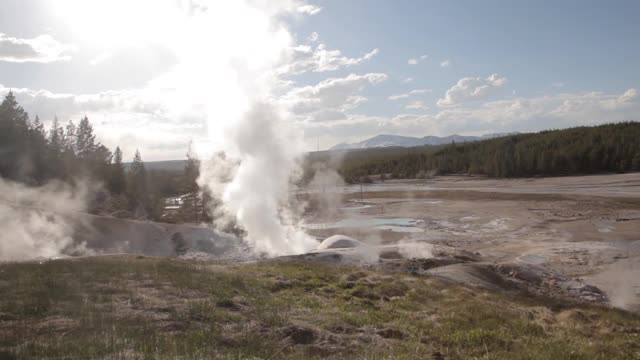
132 307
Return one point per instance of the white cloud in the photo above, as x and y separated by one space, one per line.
309 9
331 98
408 94
408 80
47 104
445 63
416 105
545 112
305 58
415 61
128 118
517 114
558 85
41 49
102 57
471 89
629 96
313 37
139 119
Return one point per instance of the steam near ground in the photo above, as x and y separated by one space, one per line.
229 56
256 192
261 146
29 229
323 189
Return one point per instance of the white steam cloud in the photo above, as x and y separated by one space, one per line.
412 249
39 222
231 75
228 55
254 186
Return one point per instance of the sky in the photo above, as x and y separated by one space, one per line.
352 70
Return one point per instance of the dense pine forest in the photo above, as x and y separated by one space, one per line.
34 155
581 150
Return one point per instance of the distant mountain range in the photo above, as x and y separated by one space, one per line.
409 141
374 142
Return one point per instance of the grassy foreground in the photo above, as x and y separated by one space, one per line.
137 307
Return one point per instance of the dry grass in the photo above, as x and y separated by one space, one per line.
138 307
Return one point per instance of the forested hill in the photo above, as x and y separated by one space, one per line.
34 155
580 150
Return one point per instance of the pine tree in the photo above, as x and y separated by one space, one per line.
99 162
38 151
38 127
191 171
70 137
61 163
14 139
85 139
13 112
117 182
138 189
192 208
55 136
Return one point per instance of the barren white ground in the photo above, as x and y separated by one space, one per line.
586 227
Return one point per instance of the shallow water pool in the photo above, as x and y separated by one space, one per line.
533 259
389 224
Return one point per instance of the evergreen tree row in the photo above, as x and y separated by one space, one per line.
33 155
574 151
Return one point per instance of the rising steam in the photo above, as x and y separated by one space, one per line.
256 189
228 70
228 59
39 222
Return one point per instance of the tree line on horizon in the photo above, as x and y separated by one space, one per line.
34 155
583 150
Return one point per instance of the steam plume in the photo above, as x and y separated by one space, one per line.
231 76
38 222
256 194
